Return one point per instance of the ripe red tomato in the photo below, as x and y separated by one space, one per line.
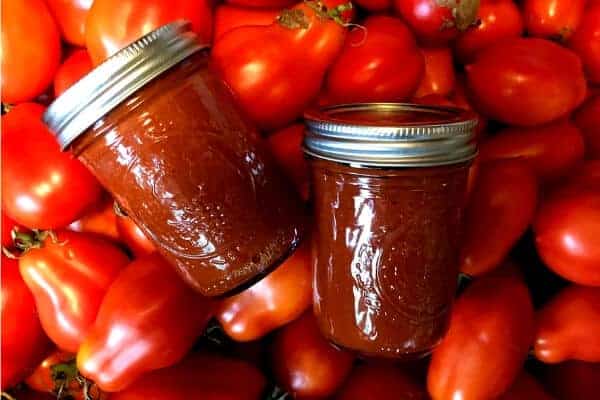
199 376
375 5
262 3
552 19
437 21
69 276
274 82
525 388
30 50
574 380
148 319
286 147
526 81
71 16
367 69
372 382
101 220
75 67
586 42
568 326
501 207
42 187
24 343
273 302
135 18
587 118
228 17
498 20
134 237
439 72
567 234
305 363
552 150
489 336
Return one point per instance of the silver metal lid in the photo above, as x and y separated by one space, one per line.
391 134
113 81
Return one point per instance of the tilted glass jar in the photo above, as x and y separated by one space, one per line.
162 134
389 183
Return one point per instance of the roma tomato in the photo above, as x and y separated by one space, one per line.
552 19
24 344
375 5
552 150
489 336
101 220
42 187
148 319
135 18
498 20
276 300
228 17
71 16
199 376
587 118
574 380
372 382
304 362
525 387
439 72
75 67
69 275
262 3
526 81
500 208
586 42
568 326
30 50
274 82
134 237
286 147
567 234
367 69
437 21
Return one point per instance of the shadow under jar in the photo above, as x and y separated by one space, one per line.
162 134
389 186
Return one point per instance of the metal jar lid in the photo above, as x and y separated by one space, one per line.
113 81
391 134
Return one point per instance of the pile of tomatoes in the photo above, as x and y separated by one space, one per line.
89 311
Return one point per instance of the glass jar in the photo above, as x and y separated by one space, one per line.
389 184
162 134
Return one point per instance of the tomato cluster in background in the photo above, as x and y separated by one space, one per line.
89 311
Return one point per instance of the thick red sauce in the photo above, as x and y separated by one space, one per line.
191 172
386 255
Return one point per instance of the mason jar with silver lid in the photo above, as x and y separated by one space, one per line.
162 133
389 185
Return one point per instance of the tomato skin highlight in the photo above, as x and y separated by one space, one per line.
69 276
24 343
504 196
553 19
439 72
271 303
526 81
42 187
30 52
368 71
144 323
305 363
490 331
567 233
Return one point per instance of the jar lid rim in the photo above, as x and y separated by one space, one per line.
391 134
117 78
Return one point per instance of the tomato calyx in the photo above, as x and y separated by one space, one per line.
464 13
67 380
25 241
296 18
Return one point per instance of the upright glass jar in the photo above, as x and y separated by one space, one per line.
162 134
389 183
